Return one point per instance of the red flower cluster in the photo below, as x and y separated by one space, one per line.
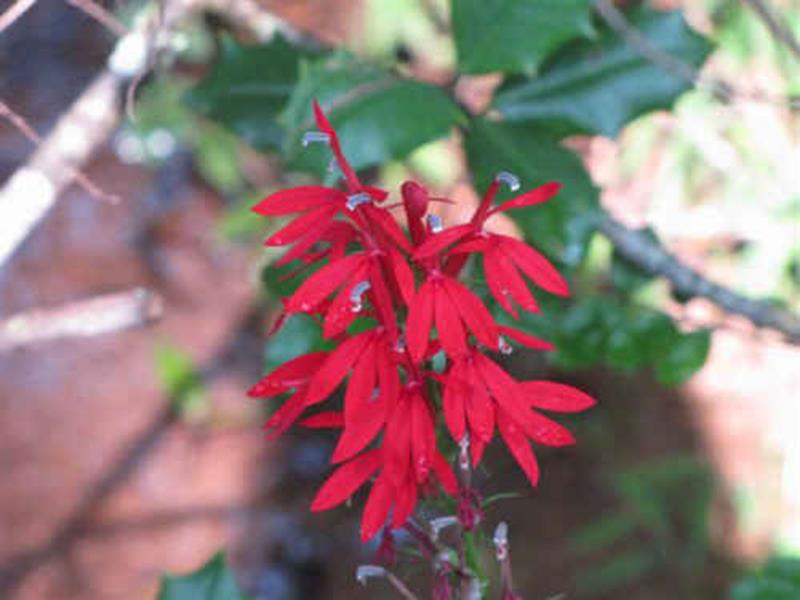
408 286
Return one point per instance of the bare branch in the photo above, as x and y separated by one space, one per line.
14 12
101 15
87 318
655 259
778 28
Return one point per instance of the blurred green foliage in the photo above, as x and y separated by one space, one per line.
213 581
182 382
778 579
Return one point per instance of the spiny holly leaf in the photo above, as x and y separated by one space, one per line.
378 115
515 36
248 87
599 87
560 227
213 581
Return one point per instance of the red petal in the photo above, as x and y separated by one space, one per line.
359 431
397 444
402 275
535 266
388 377
337 365
376 510
382 299
361 386
525 339
346 480
420 319
445 475
313 222
519 446
322 122
547 432
385 221
448 324
323 283
286 415
497 285
480 410
453 403
479 244
298 199
423 438
503 388
536 196
405 503
558 397
289 375
510 279
340 314
474 313
330 419
476 449
439 241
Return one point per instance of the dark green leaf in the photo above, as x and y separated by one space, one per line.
681 359
515 36
181 381
378 115
248 87
213 581
601 86
561 227
299 335
779 579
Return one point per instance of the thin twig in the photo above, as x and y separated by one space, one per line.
103 314
653 258
14 12
780 31
22 125
615 19
101 15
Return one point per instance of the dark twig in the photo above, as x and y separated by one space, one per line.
655 259
14 12
101 15
780 31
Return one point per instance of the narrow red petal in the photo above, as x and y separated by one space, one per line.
329 419
361 386
391 230
519 446
474 313
497 285
525 339
453 401
298 199
420 321
423 438
359 431
439 241
535 266
376 510
535 196
547 432
289 375
405 503
336 366
558 397
512 281
323 283
311 223
480 411
402 275
448 324
397 443
346 480
445 475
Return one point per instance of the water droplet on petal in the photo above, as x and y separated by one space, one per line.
511 180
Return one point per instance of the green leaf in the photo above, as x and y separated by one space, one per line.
561 227
299 335
248 87
616 572
213 581
378 115
683 357
779 579
515 36
182 381
599 87
603 532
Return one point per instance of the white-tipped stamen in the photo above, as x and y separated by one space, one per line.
511 180
315 137
440 523
357 295
333 166
400 344
463 453
435 223
357 199
500 540
364 572
505 347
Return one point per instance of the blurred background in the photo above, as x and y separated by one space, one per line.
135 296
